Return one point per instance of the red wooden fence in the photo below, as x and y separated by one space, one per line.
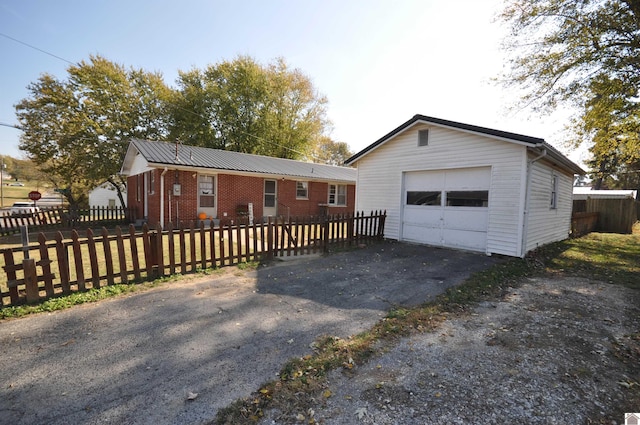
50 268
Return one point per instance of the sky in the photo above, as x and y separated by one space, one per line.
378 62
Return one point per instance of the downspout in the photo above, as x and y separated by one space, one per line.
527 200
162 196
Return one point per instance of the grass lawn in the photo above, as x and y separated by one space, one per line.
11 194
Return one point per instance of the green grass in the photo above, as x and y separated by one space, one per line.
606 257
11 194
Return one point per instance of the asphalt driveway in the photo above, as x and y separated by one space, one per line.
177 353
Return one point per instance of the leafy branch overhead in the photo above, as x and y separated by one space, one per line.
585 54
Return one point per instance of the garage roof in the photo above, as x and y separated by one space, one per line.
177 154
529 141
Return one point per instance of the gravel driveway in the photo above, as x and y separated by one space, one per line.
177 353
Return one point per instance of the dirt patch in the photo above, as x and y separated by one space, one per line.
552 351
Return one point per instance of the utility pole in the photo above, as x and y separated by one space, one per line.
2 182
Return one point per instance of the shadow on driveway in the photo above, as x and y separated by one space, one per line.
136 359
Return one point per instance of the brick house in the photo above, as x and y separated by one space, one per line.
173 183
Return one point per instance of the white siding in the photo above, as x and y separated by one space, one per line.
379 184
100 196
139 166
546 224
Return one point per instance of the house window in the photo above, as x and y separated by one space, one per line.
152 182
424 198
337 194
554 193
468 198
206 191
112 203
139 186
423 137
302 190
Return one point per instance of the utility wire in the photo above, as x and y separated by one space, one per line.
16 126
186 110
38 49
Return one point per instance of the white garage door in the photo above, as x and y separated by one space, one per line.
447 207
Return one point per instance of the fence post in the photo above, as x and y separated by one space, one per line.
269 239
30 280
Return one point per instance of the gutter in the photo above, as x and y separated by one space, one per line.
527 201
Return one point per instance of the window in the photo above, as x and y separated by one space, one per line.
423 137
206 191
554 193
337 194
468 198
424 198
139 187
152 182
302 190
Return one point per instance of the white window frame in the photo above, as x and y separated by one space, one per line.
206 181
302 185
554 192
152 182
423 137
335 195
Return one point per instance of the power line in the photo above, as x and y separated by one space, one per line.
38 49
186 110
16 126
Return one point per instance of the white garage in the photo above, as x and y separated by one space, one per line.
447 207
456 185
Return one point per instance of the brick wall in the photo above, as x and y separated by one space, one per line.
232 191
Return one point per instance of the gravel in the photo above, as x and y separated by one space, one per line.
552 351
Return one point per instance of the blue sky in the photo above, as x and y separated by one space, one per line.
378 62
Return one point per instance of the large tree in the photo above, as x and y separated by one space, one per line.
77 130
245 106
586 54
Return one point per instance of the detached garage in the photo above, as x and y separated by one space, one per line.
456 185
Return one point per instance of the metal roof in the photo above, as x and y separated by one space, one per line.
498 134
177 154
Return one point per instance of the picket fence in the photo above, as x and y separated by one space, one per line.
59 217
50 268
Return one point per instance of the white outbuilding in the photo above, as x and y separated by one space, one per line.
456 185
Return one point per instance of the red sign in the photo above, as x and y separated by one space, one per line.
34 195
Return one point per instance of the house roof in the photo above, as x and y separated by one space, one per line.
586 192
528 141
178 155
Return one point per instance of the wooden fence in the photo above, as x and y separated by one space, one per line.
583 223
58 217
50 268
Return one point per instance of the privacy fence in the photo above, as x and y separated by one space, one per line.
50 268
613 215
58 217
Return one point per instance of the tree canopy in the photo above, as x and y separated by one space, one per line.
77 130
586 54
244 106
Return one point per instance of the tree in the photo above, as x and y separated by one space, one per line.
243 106
77 130
583 53
329 152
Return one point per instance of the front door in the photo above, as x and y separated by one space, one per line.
207 196
270 206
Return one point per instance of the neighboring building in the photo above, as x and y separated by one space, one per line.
581 193
169 182
105 196
457 185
